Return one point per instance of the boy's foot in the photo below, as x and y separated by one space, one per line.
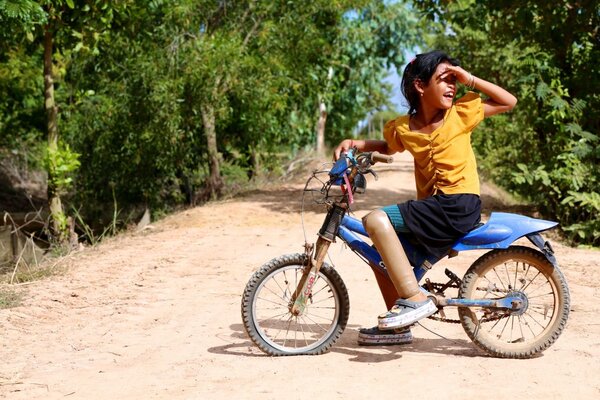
405 313
376 337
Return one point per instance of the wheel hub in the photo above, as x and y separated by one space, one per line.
520 304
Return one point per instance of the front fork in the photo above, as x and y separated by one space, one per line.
327 236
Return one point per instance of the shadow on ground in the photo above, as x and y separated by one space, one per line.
295 200
238 344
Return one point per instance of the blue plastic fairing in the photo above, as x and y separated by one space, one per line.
340 167
501 230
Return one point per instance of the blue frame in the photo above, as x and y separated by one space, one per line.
500 231
348 230
482 237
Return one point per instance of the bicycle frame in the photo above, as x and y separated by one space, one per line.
346 232
518 285
421 264
339 224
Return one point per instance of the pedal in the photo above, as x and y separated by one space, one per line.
453 277
429 286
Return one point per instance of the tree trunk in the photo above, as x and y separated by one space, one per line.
255 159
215 182
56 209
321 129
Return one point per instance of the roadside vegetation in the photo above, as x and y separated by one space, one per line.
113 109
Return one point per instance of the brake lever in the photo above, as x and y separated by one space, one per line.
370 171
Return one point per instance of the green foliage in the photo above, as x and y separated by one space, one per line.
132 78
22 118
371 41
589 227
22 15
374 126
547 54
61 164
262 67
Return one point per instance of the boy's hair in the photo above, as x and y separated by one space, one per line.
421 68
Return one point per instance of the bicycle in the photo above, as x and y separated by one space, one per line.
513 301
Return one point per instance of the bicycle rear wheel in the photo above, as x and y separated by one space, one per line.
266 308
521 272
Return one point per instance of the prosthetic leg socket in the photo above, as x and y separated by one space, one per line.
382 233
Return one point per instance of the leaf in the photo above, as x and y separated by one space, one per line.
589 136
542 90
70 4
573 128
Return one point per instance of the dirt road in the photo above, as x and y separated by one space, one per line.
156 315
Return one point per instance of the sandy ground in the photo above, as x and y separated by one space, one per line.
156 315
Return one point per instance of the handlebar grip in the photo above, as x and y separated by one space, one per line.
384 158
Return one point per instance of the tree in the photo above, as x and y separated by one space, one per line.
232 43
166 101
548 54
59 28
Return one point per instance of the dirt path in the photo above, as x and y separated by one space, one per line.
156 315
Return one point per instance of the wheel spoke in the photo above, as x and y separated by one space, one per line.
280 315
535 289
524 279
535 320
304 335
540 295
288 329
271 301
499 279
521 327
274 325
531 281
319 291
314 322
322 300
516 275
523 272
507 276
538 312
502 331
271 290
493 326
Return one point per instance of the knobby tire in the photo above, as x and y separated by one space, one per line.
271 286
510 335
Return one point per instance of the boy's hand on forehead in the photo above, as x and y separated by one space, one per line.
461 75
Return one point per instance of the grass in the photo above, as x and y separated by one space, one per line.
24 273
9 298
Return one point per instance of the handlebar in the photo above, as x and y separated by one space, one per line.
348 172
384 158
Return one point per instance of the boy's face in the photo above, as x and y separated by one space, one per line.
441 88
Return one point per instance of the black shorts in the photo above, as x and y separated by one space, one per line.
437 222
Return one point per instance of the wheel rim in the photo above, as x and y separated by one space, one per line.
284 331
523 327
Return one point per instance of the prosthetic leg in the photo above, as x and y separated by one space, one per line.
382 233
412 304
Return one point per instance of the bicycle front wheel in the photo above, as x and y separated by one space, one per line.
266 308
524 273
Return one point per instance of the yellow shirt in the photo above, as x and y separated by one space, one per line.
444 159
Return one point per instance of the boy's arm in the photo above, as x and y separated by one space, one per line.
500 100
362 145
